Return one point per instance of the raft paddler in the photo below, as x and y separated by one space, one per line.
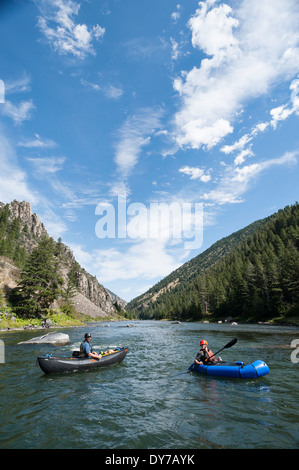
205 355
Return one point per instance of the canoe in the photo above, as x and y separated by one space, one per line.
237 370
56 365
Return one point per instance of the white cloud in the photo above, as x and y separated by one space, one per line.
110 91
249 52
19 85
14 184
236 181
22 111
13 180
93 86
18 113
241 157
278 114
132 137
196 173
175 16
147 259
57 24
212 30
46 165
113 92
38 142
175 49
284 111
238 145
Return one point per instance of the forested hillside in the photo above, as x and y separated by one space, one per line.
258 278
39 276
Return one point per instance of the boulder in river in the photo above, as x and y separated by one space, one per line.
56 339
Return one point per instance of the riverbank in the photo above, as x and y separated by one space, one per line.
54 321
292 319
35 324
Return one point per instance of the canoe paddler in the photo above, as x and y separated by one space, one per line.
86 348
205 355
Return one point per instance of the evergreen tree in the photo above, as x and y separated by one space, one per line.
40 284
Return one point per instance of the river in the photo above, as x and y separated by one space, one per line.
149 401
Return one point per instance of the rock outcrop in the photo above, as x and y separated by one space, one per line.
23 211
92 298
56 339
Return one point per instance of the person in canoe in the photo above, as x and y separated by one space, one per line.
205 355
86 348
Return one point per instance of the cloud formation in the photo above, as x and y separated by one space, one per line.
236 181
249 50
13 180
37 142
57 23
196 173
244 145
18 112
143 260
46 165
134 134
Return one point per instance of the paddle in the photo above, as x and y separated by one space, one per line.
228 345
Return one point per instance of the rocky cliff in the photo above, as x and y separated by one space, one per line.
23 211
91 298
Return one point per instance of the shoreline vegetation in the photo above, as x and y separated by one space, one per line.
53 321
20 324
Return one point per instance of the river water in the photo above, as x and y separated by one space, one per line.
149 401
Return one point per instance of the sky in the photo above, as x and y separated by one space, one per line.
143 131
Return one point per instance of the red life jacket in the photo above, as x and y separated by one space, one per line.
207 356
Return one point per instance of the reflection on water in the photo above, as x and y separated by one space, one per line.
149 400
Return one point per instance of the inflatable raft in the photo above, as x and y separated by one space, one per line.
237 370
56 365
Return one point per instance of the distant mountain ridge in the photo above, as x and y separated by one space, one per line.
193 267
20 232
251 274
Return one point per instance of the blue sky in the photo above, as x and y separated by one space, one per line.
155 102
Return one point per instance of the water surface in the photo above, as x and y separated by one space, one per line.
149 401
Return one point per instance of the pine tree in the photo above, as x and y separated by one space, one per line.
41 283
